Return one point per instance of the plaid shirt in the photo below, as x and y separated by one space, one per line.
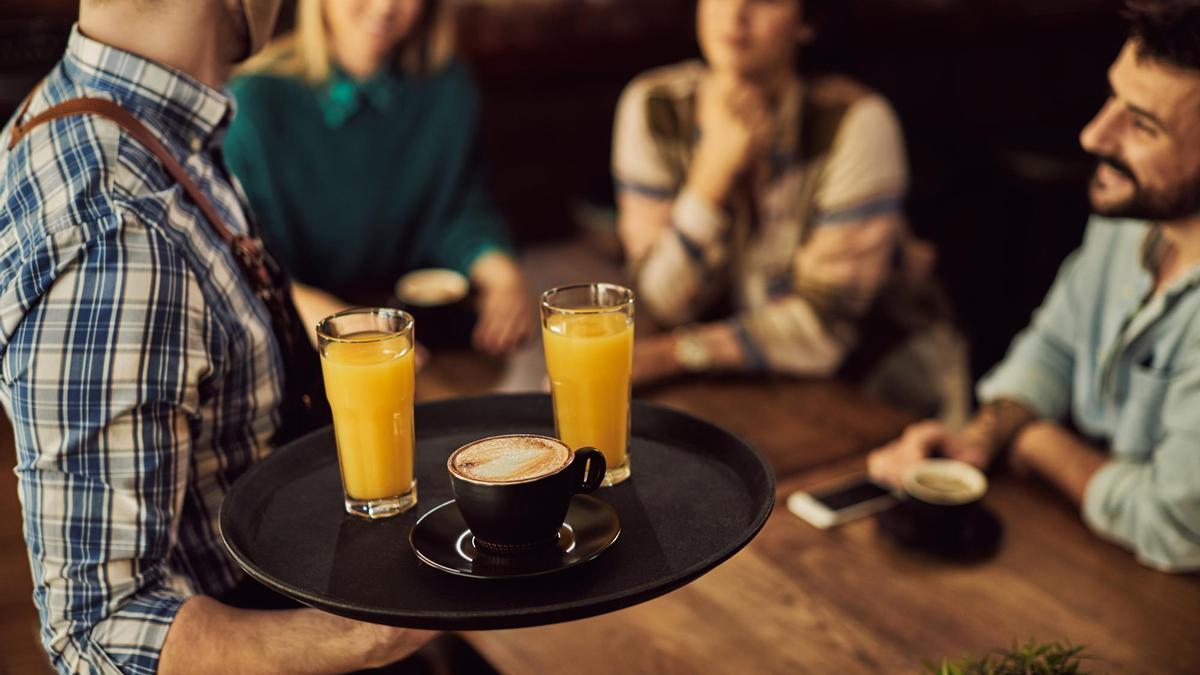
136 365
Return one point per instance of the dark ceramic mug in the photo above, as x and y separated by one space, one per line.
943 499
441 302
516 516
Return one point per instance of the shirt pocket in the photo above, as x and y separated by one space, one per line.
1139 420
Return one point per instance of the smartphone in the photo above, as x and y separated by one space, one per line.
840 502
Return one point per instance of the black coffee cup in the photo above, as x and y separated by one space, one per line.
440 302
511 514
943 499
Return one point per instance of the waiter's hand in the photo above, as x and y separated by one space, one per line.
385 645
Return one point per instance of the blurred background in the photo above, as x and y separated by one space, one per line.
992 95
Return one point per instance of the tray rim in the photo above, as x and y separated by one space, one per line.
509 617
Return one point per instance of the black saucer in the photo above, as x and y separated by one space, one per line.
978 541
441 540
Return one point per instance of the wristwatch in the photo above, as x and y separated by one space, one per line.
691 352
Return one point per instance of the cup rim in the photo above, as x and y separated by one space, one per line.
460 279
384 311
455 474
625 292
975 479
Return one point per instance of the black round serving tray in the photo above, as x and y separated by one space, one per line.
698 494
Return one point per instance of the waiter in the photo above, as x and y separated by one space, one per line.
148 353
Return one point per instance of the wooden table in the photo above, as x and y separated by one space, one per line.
800 600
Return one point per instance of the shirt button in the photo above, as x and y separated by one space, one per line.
197 144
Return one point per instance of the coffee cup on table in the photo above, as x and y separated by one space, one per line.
514 491
943 498
439 300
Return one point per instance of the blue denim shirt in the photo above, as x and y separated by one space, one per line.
1126 367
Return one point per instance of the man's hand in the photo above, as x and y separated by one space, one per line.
210 637
736 127
385 645
891 463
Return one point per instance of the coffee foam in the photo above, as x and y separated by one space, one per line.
509 459
945 481
432 287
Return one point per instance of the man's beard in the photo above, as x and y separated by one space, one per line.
1180 201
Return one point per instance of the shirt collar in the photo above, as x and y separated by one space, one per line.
1154 251
787 136
342 96
182 107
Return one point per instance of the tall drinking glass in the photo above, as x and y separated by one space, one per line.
367 360
587 334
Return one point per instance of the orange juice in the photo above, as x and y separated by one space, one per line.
369 382
589 358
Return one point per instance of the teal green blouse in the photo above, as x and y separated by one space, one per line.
357 182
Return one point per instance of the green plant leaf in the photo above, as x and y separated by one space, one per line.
1030 658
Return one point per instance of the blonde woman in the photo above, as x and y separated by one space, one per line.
356 143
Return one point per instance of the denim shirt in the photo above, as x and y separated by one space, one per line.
1125 365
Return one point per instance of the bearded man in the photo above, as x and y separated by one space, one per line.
1100 395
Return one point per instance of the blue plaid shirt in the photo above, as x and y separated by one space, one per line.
136 365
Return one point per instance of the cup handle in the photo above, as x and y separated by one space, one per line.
594 461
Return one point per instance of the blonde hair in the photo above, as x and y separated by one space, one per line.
305 52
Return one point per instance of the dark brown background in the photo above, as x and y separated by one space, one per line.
992 94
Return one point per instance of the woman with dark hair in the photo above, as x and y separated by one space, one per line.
762 214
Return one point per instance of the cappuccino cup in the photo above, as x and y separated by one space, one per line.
943 497
439 300
513 491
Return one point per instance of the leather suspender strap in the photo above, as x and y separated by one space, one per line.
303 407
243 246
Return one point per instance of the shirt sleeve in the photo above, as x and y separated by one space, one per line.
636 162
1039 366
102 379
867 170
846 257
1152 506
473 226
682 273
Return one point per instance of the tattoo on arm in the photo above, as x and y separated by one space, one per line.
998 422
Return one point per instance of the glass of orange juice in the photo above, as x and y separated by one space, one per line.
367 360
587 334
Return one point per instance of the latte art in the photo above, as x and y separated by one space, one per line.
509 459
